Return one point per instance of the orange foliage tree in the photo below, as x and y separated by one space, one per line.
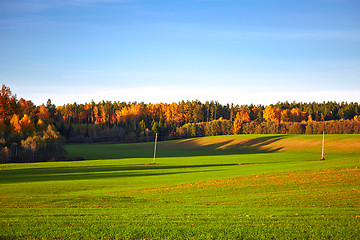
8 104
15 123
272 114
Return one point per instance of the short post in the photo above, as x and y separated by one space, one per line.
323 147
155 148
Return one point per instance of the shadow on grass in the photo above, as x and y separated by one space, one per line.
232 146
183 148
179 148
99 172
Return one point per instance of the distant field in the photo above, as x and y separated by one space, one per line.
225 187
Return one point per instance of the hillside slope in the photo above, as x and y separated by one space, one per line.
221 145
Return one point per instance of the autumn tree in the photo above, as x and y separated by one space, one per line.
42 147
285 115
15 123
237 124
296 115
244 114
27 126
43 116
26 107
8 104
272 114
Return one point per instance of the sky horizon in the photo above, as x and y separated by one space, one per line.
241 52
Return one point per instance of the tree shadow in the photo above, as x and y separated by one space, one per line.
99 172
183 148
232 146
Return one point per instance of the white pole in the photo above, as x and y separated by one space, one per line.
155 148
323 146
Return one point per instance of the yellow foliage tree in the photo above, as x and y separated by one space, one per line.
272 114
40 124
27 127
44 114
15 123
295 115
245 114
310 119
237 124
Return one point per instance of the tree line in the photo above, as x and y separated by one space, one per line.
35 133
27 132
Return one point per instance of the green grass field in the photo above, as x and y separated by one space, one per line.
226 187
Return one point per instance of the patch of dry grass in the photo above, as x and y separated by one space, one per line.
303 143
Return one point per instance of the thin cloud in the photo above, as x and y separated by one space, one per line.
42 5
238 34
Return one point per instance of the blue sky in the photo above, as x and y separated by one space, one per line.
231 51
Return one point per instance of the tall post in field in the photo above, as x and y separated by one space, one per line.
155 148
323 147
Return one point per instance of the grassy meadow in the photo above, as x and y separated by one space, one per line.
224 187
